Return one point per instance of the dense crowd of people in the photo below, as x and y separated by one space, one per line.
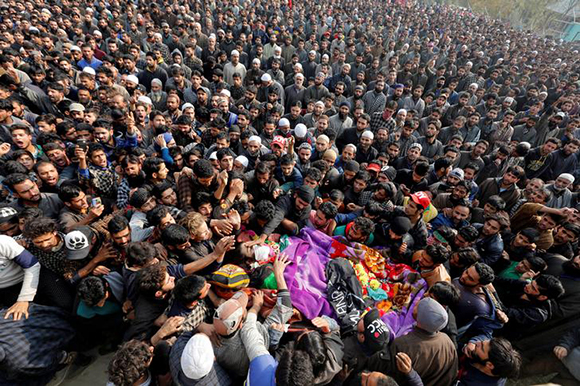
303 193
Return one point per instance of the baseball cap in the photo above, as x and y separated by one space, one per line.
374 167
421 198
431 316
390 172
78 243
457 173
280 141
197 357
7 213
376 332
230 314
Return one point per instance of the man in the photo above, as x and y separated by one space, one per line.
430 263
489 245
528 303
360 231
76 211
18 278
562 197
292 212
489 362
457 219
563 161
505 187
538 160
540 217
476 310
433 354
203 179
152 71
28 195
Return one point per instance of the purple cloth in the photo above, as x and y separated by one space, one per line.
310 251
306 278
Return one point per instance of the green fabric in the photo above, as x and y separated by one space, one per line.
87 312
510 272
270 282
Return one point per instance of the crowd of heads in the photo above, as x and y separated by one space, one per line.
145 146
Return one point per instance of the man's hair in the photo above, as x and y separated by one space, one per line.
294 369
152 165
497 202
140 253
328 209
155 215
175 234
467 256
67 192
516 171
140 197
445 293
117 224
503 221
192 223
506 361
151 279
438 253
203 169
550 286
286 159
314 174
365 225
15 179
265 210
92 290
421 168
485 273
39 227
187 289
129 363
441 163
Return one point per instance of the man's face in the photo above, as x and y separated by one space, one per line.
99 158
564 235
300 204
28 191
479 149
393 151
355 234
48 174
491 227
102 134
365 142
562 183
469 277
570 148
46 242
459 214
413 154
359 185
21 138
459 192
79 203
347 154
510 179
320 219
546 223
549 147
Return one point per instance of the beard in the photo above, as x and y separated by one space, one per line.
136 181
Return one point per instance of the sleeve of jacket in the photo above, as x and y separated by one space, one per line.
273 224
571 339
39 100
